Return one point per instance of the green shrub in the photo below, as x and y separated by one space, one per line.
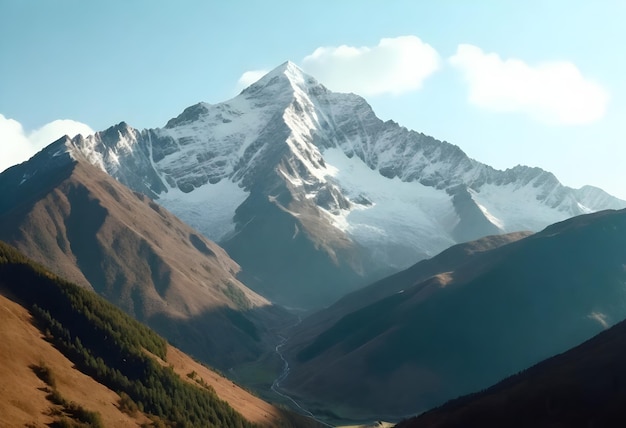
127 405
44 373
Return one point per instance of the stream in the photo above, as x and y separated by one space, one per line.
276 384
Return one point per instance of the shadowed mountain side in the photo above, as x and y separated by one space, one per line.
466 255
583 387
472 220
276 243
81 223
454 333
246 333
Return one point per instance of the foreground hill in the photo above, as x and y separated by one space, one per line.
23 401
82 224
463 330
314 195
64 348
583 387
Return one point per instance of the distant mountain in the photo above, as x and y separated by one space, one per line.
467 326
314 196
78 221
69 358
583 387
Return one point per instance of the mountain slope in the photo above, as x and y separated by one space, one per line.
582 387
457 258
23 396
460 331
82 349
289 172
78 221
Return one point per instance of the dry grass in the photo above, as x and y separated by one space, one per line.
23 394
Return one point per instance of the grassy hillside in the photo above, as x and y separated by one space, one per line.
110 346
29 364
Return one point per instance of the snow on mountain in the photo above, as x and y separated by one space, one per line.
389 209
347 180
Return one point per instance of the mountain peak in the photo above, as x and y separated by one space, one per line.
285 66
188 115
287 69
280 78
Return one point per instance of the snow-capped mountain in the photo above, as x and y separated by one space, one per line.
313 195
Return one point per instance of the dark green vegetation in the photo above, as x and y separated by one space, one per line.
583 387
110 346
44 373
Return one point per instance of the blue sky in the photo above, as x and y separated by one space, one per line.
539 82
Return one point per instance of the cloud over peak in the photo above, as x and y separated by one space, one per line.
552 92
17 145
249 77
394 66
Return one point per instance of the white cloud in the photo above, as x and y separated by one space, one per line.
54 130
17 146
395 65
14 145
249 77
552 92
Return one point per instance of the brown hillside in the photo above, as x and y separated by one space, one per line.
85 226
22 394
